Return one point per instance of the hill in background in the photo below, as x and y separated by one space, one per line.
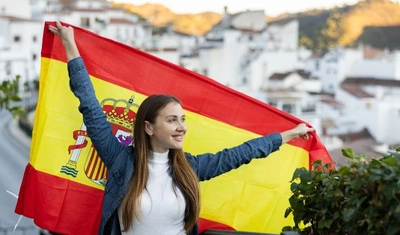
160 16
319 30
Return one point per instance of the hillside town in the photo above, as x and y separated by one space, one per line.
350 95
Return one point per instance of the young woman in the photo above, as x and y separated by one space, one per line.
153 187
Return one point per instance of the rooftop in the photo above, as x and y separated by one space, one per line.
361 142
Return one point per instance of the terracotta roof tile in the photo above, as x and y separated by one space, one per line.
331 101
371 81
17 19
120 21
354 85
279 76
356 91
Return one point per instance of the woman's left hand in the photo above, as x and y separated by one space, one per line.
301 130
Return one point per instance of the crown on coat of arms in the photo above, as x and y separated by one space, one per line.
119 111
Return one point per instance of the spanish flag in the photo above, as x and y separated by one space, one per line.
62 188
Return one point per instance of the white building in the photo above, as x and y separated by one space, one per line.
298 80
375 103
283 36
21 38
384 65
242 51
21 41
365 81
16 8
99 17
334 66
173 46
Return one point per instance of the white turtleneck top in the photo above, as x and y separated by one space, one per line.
162 205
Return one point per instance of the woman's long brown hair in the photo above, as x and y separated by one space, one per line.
183 175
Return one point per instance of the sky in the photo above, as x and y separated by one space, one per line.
271 8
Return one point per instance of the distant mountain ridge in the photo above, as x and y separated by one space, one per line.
319 30
161 16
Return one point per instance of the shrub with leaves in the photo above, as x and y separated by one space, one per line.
362 197
9 97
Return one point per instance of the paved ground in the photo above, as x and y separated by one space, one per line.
14 156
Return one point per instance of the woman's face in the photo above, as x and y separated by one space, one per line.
169 128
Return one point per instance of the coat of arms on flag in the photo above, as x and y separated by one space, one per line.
120 115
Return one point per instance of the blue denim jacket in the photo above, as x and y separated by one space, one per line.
120 160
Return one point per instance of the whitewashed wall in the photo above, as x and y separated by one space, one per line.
17 8
377 68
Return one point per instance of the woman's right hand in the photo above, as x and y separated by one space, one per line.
68 39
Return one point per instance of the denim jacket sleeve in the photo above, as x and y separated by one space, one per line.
97 127
209 165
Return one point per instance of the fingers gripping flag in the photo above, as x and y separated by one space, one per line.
63 185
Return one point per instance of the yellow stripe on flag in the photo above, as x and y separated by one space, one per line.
258 201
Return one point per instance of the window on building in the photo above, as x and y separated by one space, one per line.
288 108
118 34
8 68
273 103
34 57
34 38
317 65
26 86
85 22
309 108
205 72
17 38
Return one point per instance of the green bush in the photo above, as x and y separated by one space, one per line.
9 98
362 197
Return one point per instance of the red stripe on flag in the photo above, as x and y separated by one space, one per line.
209 224
54 203
147 74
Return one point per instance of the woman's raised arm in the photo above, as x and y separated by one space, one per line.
97 126
209 165
68 39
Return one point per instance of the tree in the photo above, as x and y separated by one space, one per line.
9 97
333 31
